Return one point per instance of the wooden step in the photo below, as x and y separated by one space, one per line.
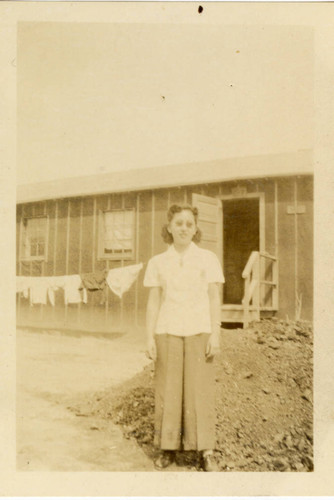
237 316
234 313
235 307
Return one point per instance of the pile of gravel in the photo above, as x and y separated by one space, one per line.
264 403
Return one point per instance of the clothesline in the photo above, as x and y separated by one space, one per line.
40 288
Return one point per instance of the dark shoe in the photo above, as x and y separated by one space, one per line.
209 463
164 459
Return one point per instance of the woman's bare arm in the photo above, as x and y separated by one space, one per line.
213 346
152 311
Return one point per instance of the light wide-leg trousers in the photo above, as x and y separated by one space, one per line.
184 394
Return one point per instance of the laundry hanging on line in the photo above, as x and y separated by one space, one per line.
95 282
39 288
121 279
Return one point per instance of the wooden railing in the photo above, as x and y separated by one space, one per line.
251 275
269 265
255 299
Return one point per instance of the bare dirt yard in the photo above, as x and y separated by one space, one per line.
53 370
87 403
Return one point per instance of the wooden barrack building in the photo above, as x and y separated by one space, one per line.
256 213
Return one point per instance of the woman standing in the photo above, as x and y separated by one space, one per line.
183 327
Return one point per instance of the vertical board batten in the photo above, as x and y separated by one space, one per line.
68 223
87 230
80 237
137 256
153 228
267 188
43 264
145 219
91 300
80 253
107 266
55 240
276 218
102 203
50 237
106 305
67 246
94 234
74 237
295 220
122 265
188 195
61 237
262 222
305 246
286 245
276 292
129 296
160 218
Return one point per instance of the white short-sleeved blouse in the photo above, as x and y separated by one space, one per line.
185 308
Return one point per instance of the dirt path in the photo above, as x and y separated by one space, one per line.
52 369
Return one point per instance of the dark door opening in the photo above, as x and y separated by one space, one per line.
241 235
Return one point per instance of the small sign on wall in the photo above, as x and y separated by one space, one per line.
292 209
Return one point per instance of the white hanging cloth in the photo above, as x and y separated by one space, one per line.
121 279
40 287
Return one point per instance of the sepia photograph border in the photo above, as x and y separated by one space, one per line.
320 17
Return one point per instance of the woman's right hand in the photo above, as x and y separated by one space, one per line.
151 351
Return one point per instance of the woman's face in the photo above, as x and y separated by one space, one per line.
182 227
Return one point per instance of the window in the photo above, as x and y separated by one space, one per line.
34 238
116 234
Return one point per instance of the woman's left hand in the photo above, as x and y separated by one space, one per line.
212 347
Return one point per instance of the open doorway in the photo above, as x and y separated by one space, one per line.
241 235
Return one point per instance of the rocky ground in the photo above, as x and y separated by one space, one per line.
264 401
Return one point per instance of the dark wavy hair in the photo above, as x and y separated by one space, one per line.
175 209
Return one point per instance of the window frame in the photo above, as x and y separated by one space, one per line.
113 256
23 236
